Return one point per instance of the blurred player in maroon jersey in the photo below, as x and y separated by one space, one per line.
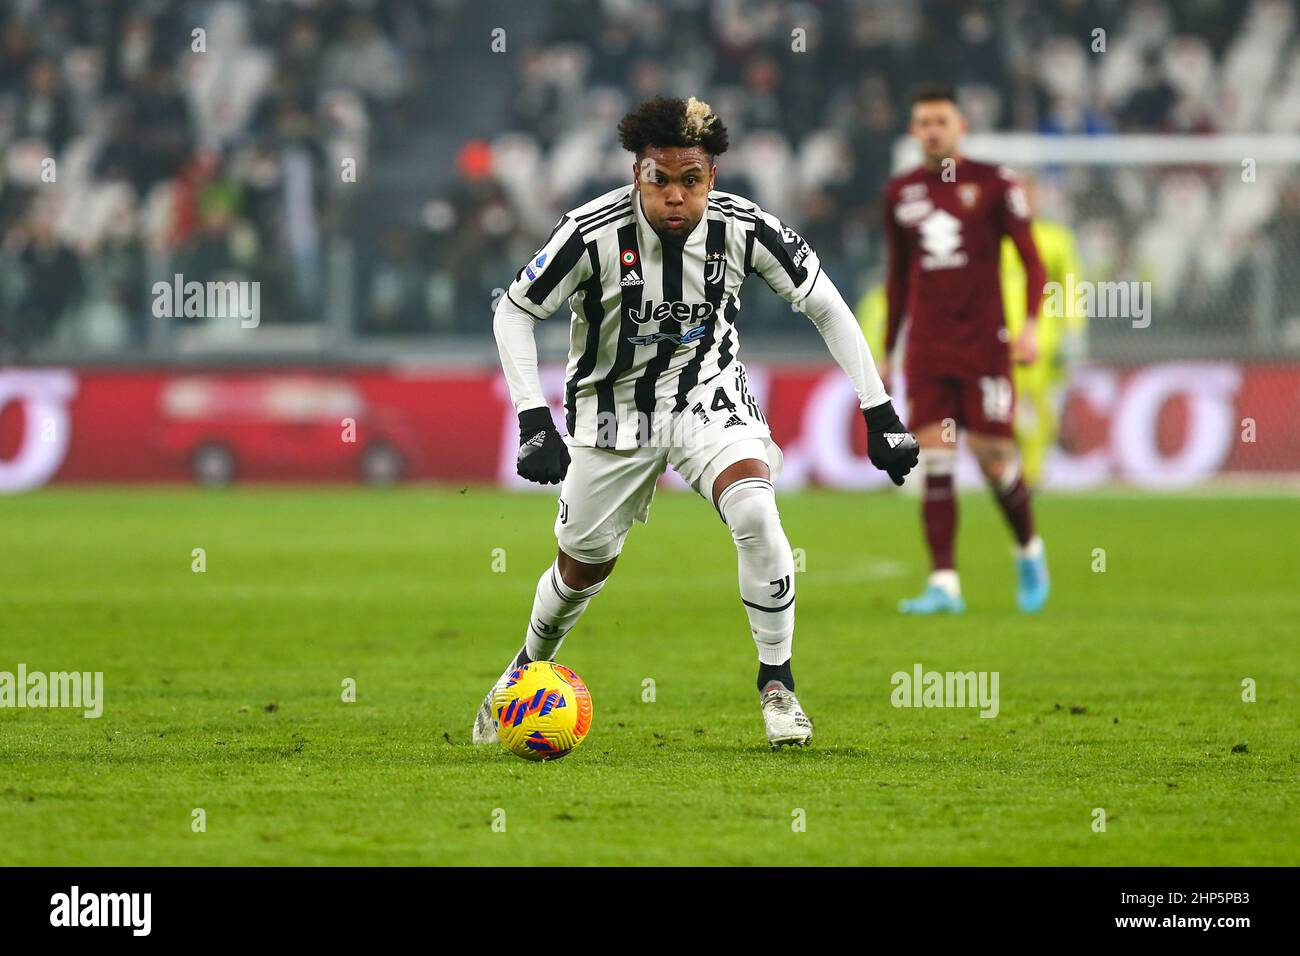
944 222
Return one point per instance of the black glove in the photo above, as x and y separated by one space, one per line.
543 456
890 446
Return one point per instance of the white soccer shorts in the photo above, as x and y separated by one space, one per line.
605 490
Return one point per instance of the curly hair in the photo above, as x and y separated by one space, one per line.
669 121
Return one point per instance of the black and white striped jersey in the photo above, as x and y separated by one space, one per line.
650 321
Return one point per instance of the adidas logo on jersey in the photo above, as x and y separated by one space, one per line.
734 420
632 279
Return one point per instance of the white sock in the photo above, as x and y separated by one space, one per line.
766 565
948 581
556 608
1033 549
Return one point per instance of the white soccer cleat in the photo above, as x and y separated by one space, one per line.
485 725
786 722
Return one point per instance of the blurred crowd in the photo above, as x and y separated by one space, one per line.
223 163
143 139
813 132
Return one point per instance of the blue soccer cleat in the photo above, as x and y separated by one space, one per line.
933 600
1033 584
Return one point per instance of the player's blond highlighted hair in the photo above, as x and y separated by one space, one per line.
668 121
699 116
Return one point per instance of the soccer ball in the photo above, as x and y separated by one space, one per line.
543 711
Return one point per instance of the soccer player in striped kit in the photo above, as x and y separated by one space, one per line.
652 273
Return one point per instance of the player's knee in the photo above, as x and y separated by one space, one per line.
1000 464
749 508
580 575
934 436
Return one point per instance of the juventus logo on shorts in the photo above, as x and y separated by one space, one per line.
564 511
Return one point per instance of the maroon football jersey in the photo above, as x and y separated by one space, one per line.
944 242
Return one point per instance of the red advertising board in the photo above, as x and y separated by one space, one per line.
1159 425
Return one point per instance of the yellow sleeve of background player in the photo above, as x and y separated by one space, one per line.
1065 336
1067 263
872 312
1012 273
1059 335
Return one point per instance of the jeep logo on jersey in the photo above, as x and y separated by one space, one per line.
691 313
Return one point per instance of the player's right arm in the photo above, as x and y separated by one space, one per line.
549 278
897 272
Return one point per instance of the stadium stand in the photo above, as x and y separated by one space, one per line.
225 161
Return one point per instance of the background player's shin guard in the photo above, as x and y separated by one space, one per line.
766 565
939 508
556 608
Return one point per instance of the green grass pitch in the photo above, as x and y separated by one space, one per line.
223 689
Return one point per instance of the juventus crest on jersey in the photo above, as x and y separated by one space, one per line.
651 320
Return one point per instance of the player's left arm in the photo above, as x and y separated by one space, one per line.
789 265
1016 222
